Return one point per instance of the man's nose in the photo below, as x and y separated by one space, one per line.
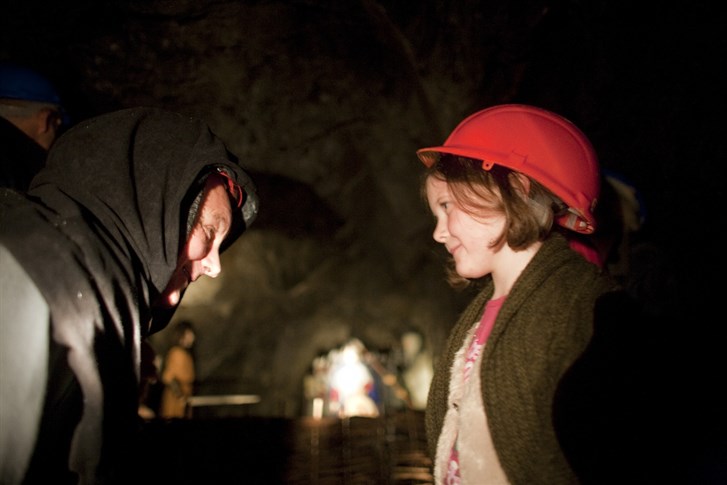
211 264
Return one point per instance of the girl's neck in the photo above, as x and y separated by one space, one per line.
510 264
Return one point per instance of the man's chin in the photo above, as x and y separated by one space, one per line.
171 299
173 293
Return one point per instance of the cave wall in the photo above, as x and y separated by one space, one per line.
325 103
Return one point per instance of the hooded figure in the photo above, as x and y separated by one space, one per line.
85 258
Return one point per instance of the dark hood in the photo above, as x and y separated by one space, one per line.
133 171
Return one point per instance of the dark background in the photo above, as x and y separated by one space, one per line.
325 103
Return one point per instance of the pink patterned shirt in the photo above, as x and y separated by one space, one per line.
484 328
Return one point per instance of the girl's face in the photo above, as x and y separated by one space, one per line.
201 254
466 238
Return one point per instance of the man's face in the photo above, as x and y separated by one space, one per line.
47 125
200 256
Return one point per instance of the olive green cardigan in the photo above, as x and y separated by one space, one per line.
544 325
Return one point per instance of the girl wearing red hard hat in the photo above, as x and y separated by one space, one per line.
505 186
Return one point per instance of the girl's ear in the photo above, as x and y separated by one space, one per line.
520 183
537 201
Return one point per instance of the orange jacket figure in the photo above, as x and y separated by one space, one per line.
178 375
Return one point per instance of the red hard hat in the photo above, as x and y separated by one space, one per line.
541 144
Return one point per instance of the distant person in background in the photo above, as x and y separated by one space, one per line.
31 116
352 383
178 372
417 368
622 246
620 214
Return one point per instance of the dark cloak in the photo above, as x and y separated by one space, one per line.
100 233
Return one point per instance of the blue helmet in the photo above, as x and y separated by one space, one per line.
18 82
